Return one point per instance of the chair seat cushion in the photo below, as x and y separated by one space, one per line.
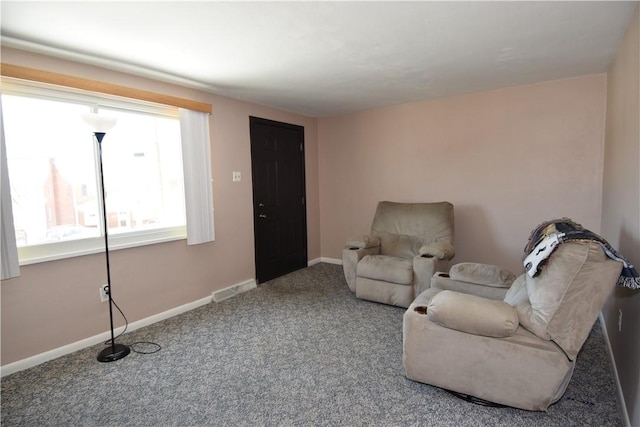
386 268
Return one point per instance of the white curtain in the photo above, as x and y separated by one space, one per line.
196 159
8 249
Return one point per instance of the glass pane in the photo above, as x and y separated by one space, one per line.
51 169
142 162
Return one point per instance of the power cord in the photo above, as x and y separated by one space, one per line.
155 347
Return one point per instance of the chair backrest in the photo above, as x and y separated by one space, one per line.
404 227
562 303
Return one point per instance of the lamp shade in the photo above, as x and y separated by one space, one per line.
98 122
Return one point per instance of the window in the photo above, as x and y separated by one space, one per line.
54 175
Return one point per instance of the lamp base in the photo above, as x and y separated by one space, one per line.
113 353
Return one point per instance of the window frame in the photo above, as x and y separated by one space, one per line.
73 248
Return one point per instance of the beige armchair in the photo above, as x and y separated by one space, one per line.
475 333
408 243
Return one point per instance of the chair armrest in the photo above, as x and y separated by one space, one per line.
473 314
424 267
440 250
362 242
482 274
443 281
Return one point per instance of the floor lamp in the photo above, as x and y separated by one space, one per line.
100 125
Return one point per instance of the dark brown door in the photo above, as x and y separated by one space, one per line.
279 212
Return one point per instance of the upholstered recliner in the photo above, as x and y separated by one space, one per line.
475 333
408 243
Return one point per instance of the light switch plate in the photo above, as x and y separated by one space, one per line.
237 177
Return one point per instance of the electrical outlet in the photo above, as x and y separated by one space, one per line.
620 321
237 177
104 293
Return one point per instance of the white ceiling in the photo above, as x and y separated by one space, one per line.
328 58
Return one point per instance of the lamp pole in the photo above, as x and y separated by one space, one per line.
101 124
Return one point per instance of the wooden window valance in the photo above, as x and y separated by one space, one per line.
25 73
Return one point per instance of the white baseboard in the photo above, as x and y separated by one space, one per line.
38 359
234 290
323 259
625 413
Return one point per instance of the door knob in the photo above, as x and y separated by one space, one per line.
261 205
262 216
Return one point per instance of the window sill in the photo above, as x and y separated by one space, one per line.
75 248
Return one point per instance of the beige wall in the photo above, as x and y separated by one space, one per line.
507 159
621 208
56 303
